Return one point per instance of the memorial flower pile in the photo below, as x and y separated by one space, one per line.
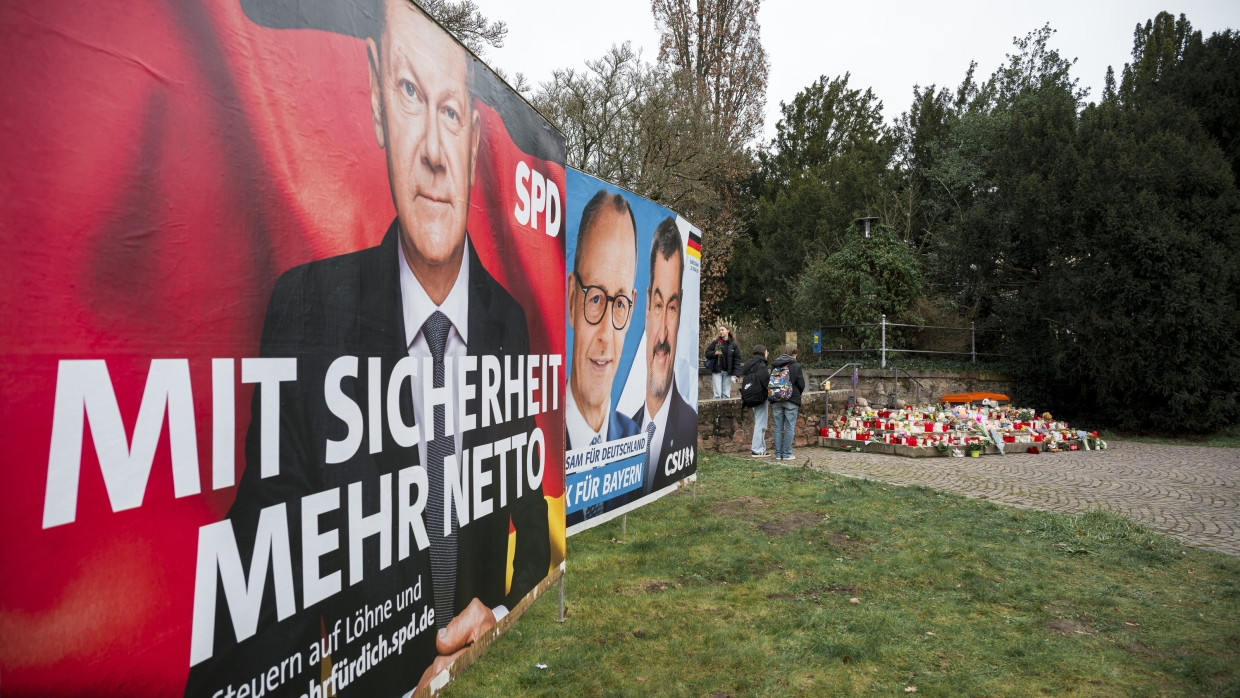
943 426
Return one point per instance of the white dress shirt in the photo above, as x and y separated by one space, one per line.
417 307
656 441
580 434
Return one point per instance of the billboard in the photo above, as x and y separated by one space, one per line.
632 314
283 349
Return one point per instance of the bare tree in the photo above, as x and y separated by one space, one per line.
600 111
714 48
467 23
718 44
678 131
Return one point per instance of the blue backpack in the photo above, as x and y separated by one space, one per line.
779 388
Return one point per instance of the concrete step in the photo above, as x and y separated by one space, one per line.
898 449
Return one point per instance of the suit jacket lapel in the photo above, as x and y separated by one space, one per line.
481 334
382 322
381 332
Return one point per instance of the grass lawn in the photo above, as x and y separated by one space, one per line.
749 590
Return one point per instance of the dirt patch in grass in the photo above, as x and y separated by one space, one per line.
747 508
1068 626
843 541
1059 607
756 509
621 636
652 587
791 522
1076 624
1138 649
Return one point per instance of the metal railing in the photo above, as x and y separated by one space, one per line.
895 381
854 378
883 349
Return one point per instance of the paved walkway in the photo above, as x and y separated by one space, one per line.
1190 492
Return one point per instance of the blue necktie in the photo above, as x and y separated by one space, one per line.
443 546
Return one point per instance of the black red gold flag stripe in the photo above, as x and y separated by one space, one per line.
694 247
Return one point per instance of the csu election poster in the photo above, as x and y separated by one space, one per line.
283 349
631 404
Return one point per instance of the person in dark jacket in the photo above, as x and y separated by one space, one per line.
754 378
723 358
785 411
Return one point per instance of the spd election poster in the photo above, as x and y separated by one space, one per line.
631 403
283 350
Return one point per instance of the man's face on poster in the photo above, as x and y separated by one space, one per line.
662 324
607 268
425 121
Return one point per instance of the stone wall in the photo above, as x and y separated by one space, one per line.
725 427
876 385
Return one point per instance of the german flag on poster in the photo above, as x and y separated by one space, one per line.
694 248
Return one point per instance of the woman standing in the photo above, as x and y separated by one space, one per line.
754 378
723 359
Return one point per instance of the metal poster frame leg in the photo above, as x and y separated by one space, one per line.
562 575
624 527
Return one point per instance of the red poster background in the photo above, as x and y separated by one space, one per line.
163 163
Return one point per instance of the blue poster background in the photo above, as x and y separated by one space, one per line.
629 384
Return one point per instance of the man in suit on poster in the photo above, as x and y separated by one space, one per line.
668 421
422 292
600 306
600 310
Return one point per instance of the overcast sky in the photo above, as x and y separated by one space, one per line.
886 46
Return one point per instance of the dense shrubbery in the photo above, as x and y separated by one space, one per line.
1099 243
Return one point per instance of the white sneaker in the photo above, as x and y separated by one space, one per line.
789 458
764 454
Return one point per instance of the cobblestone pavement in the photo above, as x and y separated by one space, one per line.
1192 493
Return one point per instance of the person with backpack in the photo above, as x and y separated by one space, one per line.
784 393
723 360
754 379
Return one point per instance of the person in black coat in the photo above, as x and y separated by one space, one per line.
723 359
785 411
754 379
